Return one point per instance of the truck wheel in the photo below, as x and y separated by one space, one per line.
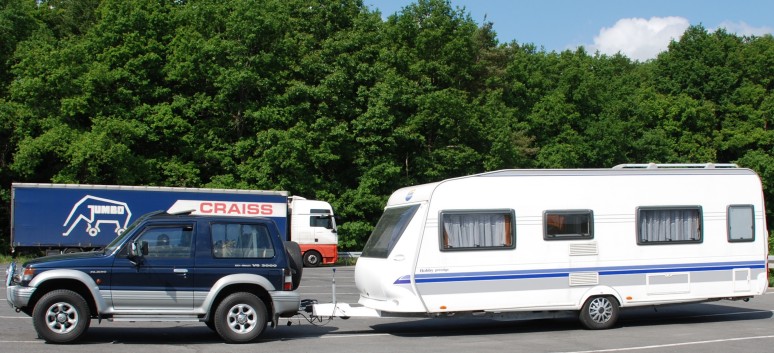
599 313
240 318
295 260
61 316
312 258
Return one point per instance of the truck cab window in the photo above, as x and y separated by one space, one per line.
323 221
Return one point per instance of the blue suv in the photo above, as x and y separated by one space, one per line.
234 274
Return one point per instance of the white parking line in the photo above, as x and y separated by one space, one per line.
661 346
358 335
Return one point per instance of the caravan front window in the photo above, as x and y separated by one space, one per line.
387 232
477 230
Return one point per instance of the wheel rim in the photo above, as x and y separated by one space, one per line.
600 310
61 317
313 259
242 318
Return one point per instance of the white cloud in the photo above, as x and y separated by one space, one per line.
743 29
638 38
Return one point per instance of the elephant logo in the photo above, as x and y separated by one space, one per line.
96 211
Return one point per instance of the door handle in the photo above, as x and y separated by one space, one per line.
181 270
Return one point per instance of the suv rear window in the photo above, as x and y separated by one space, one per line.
387 232
242 241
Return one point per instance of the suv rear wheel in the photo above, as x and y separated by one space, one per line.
240 318
61 316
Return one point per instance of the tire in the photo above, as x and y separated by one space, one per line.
61 316
296 262
312 258
599 313
240 318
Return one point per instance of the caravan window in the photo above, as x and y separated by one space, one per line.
560 225
477 230
669 225
388 231
741 223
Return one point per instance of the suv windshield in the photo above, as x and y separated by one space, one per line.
389 229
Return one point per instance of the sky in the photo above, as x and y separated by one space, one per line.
638 29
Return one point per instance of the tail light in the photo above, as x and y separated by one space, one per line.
288 284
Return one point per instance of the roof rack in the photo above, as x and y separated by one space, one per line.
677 165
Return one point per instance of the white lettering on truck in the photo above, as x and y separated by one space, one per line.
95 211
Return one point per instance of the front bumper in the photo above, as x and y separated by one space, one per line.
18 296
286 303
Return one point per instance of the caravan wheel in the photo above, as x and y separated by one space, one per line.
599 313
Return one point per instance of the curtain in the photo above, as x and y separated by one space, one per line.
669 225
475 230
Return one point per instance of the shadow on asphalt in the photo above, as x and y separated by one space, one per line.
188 334
682 314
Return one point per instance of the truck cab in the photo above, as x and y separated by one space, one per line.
313 227
235 274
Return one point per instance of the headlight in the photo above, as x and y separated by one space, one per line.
26 275
10 273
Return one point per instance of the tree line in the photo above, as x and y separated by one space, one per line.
328 100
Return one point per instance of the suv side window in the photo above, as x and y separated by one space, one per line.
246 241
168 241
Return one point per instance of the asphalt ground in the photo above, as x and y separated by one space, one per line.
716 327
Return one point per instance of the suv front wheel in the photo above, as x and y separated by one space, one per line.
61 316
240 318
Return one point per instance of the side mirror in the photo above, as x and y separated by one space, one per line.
136 251
328 224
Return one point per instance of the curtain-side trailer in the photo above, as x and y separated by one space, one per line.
77 217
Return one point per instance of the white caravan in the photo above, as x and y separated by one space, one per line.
517 244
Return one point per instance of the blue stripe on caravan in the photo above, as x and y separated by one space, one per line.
565 272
